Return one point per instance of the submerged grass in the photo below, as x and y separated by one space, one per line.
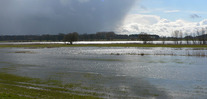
17 87
100 45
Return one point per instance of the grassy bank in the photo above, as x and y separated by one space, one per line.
17 87
101 45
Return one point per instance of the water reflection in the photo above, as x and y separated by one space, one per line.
117 76
99 42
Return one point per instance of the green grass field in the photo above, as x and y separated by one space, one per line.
102 45
17 87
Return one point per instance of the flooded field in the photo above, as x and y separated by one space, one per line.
99 42
115 72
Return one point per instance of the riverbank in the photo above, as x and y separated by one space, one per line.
99 45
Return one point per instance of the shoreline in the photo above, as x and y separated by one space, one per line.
99 45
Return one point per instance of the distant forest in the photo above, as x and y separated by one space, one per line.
99 36
109 36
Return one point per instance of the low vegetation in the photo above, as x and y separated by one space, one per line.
17 87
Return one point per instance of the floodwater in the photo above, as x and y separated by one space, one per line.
100 42
117 72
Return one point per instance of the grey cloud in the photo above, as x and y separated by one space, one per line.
194 16
143 7
55 16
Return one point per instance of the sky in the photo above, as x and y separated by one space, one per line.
61 16
161 17
174 9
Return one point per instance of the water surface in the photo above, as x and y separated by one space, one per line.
117 72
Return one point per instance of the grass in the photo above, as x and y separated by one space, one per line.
17 87
101 45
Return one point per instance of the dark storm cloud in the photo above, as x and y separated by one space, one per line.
55 16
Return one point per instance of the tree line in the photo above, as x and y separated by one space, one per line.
199 37
74 36
178 37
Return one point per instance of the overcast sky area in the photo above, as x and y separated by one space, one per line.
61 16
159 17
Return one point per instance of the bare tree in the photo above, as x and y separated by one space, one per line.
144 37
194 38
203 36
175 36
187 38
198 35
181 37
163 39
71 37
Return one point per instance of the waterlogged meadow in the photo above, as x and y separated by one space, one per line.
103 72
